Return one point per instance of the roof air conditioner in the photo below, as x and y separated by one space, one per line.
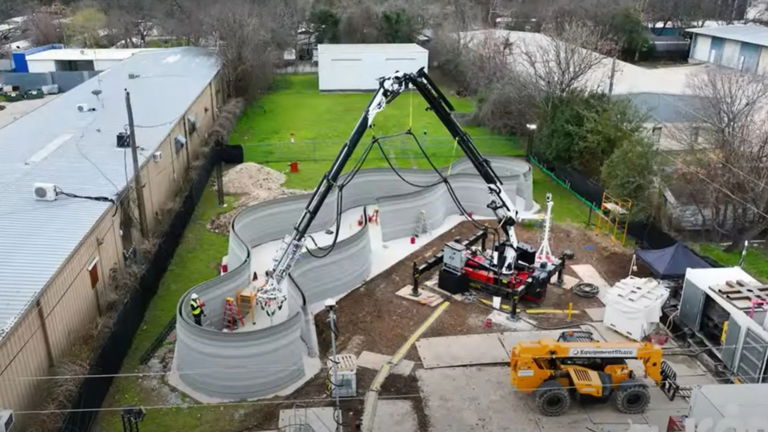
43 192
83 107
6 421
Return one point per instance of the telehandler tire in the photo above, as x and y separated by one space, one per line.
552 398
632 397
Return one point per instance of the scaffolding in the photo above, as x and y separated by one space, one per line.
614 218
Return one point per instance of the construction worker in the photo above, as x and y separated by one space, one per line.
197 309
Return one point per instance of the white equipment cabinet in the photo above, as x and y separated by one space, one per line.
633 306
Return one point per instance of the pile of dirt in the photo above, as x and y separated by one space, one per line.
253 180
252 183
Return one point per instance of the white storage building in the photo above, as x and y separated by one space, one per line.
356 67
78 59
742 47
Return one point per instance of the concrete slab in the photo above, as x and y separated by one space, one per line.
605 333
474 399
595 314
464 350
605 412
501 319
296 420
481 399
570 281
510 339
689 372
372 360
425 297
395 415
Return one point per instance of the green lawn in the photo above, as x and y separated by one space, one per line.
322 122
755 263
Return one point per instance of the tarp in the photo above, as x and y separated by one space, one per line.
670 262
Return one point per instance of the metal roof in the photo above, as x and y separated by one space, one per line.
86 54
753 34
663 108
382 48
76 151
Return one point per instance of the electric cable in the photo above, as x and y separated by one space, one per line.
59 191
339 205
586 290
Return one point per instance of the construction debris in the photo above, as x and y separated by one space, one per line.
425 297
252 183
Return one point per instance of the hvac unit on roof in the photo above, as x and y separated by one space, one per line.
6 421
43 192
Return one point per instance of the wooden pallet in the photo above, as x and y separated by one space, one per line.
741 294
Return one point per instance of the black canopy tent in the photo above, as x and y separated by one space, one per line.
670 262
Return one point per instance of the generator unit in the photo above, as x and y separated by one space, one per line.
725 308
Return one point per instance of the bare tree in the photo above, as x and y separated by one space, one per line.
731 164
44 28
564 58
250 40
360 25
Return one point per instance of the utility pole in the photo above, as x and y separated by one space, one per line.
613 73
330 306
138 186
218 149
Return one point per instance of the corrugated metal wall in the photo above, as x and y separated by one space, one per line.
68 302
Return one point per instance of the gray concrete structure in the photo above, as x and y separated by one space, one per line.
254 363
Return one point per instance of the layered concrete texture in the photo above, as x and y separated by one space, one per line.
273 356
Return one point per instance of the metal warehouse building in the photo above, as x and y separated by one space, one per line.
56 256
355 67
742 47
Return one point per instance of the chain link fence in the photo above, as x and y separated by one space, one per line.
399 148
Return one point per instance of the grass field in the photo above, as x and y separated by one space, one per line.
755 263
321 123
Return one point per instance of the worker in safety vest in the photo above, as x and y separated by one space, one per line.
197 309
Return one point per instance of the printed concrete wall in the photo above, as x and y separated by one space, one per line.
257 363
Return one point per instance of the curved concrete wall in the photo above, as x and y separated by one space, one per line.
261 362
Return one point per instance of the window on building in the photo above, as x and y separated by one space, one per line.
696 134
93 272
656 134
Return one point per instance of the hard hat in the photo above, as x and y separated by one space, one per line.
194 296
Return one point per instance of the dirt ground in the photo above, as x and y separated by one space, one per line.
373 318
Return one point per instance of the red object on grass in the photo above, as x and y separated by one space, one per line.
294 167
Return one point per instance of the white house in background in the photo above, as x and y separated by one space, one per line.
742 47
77 59
355 67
